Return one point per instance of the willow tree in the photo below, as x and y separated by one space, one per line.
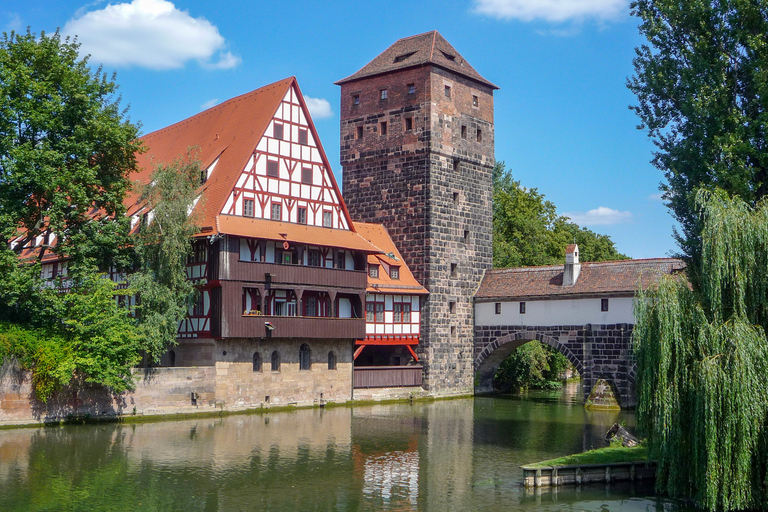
702 358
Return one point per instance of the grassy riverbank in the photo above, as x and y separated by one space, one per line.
607 455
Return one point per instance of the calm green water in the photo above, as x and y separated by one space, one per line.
442 456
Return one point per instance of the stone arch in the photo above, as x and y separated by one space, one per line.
492 354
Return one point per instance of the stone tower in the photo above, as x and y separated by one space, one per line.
417 151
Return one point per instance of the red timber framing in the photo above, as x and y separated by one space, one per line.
288 167
197 324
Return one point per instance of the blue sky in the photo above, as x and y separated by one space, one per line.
563 124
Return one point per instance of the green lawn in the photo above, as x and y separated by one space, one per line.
600 456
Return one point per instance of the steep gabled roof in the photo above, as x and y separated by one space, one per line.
606 277
419 50
377 235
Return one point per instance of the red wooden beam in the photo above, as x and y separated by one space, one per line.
415 357
360 349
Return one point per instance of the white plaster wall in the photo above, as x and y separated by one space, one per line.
556 312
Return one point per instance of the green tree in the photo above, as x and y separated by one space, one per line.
702 96
531 365
162 247
528 231
702 358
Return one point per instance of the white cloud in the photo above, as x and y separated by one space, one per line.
208 104
13 23
149 33
318 107
657 197
601 216
552 10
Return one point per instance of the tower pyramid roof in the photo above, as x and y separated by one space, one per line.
429 48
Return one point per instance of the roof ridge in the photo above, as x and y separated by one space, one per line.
432 51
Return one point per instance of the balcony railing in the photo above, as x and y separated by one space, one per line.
295 275
255 326
386 376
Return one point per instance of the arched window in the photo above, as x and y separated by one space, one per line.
331 360
256 362
171 358
304 354
275 361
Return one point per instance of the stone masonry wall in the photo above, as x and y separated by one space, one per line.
431 188
597 352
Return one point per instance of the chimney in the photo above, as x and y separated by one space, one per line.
572 265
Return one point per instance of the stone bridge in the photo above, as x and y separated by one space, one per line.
596 351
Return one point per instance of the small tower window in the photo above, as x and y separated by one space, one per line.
383 127
383 94
603 304
454 269
355 99
359 132
456 165
456 198
303 138
497 308
463 131
408 124
447 91
411 88
479 135
466 236
474 101
522 308
452 307
278 132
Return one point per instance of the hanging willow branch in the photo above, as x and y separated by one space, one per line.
702 359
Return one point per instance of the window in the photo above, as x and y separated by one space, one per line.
497 308
447 91
276 211
256 362
373 271
248 207
383 127
331 360
275 361
466 236
522 308
383 94
603 304
408 124
359 132
479 135
303 136
313 258
306 175
327 219
379 312
355 99
452 307
341 260
456 165
286 258
301 215
374 312
454 269
272 168
456 198
199 308
402 313
278 131
411 88
304 354
453 331
474 101
463 131
394 272
310 306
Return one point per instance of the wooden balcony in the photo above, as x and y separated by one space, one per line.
294 275
386 376
237 325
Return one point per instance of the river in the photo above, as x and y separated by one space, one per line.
446 455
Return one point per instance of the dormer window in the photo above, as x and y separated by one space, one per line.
401 58
394 272
448 56
373 271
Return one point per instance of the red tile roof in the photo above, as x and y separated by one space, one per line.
419 50
607 277
377 235
300 233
